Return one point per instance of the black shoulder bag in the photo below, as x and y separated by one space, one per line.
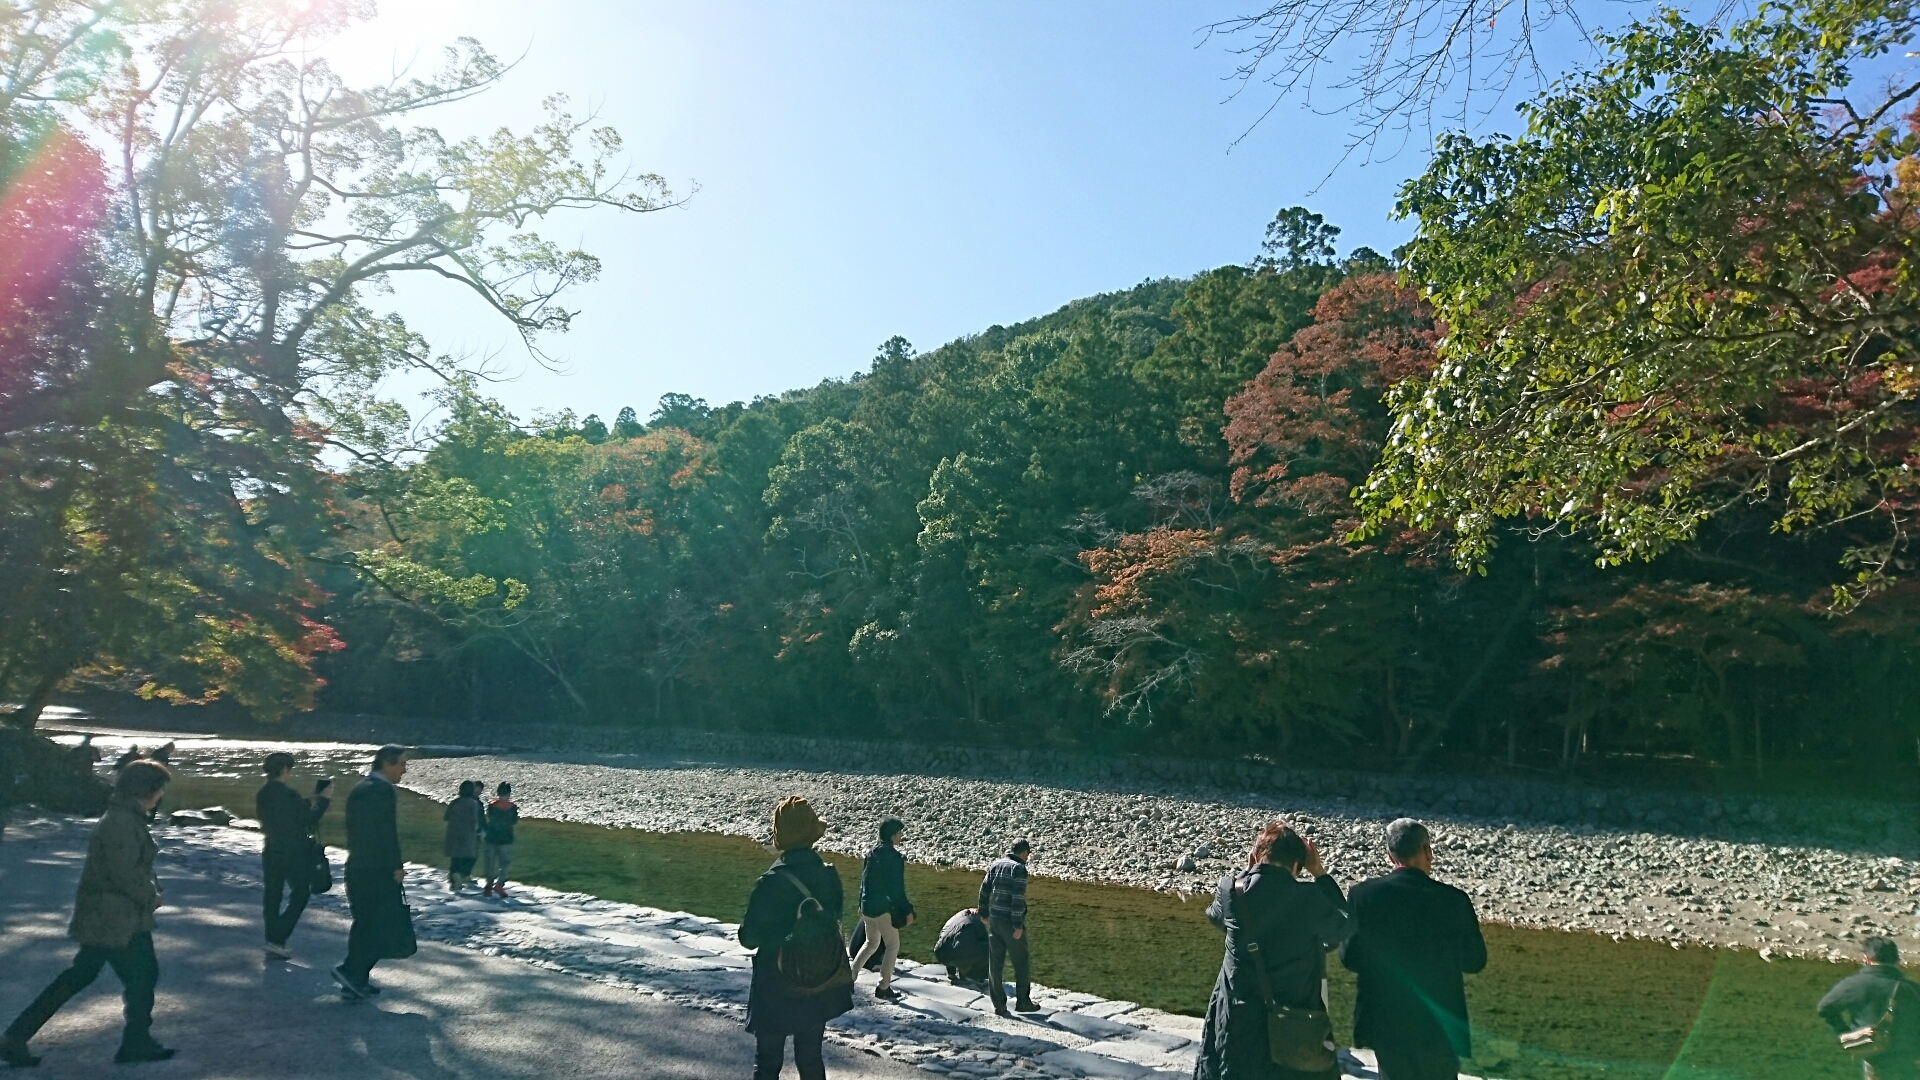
319 873
1300 1039
1875 1039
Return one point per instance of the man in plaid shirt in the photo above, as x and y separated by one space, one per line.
1003 900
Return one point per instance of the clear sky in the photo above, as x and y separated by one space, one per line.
871 169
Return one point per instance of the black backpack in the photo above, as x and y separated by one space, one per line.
813 958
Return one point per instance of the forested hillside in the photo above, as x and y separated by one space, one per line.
1615 462
1124 524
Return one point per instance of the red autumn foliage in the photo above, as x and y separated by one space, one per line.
1296 434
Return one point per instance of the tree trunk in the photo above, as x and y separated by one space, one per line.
1735 754
28 716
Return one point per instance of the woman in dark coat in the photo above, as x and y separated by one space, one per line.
1296 924
462 845
773 1013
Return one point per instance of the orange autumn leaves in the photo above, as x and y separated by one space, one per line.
1299 436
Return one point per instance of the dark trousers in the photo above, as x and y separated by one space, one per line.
1417 1063
138 970
289 873
770 1052
375 901
1001 946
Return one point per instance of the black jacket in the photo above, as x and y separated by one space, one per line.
770 915
1296 924
1413 940
1860 1000
373 827
963 944
883 884
287 819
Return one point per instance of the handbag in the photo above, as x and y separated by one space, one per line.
1877 1038
397 940
319 871
1300 1039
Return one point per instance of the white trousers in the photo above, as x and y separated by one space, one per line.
880 932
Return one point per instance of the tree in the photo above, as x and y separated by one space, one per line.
1686 293
1673 640
255 206
1405 62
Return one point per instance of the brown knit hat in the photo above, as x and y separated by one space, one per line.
795 825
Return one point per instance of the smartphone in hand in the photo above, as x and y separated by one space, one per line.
320 786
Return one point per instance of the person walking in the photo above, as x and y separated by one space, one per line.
462 845
1279 931
112 921
884 907
1880 997
799 886
382 926
502 815
84 758
286 859
1003 900
1413 939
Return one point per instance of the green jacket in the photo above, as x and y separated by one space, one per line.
117 888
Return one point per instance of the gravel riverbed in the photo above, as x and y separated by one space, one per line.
1787 900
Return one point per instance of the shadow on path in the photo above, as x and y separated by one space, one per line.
446 1014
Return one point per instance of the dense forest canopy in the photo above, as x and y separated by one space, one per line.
1612 461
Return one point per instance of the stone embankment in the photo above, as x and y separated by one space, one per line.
1799 899
943 1028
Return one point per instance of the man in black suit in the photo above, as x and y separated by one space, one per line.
382 928
1414 939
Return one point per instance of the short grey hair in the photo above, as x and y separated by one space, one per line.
1406 838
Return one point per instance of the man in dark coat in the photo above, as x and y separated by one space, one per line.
1413 940
1862 999
963 946
773 1013
112 921
287 857
375 872
1295 923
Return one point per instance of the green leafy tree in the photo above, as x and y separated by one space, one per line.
1684 294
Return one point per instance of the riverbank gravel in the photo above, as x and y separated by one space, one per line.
1781 900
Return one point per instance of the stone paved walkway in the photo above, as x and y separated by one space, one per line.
696 961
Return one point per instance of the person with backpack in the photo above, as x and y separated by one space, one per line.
462 844
884 907
801 978
1279 930
502 815
1876 1013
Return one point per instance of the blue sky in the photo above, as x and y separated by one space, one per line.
866 170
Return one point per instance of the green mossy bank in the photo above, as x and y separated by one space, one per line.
1550 1006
